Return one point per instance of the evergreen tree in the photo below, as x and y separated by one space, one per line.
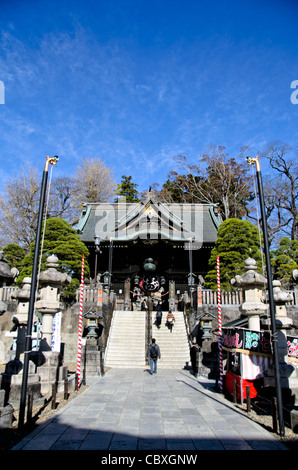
237 240
128 189
14 255
284 259
61 240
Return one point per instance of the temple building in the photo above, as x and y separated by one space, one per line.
150 246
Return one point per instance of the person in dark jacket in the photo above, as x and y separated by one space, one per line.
153 354
194 350
158 315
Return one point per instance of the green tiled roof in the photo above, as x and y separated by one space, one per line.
149 219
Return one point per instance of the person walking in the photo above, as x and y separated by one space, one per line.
153 354
170 320
194 350
158 315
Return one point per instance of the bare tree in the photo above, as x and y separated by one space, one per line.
61 202
19 208
283 192
93 182
228 180
217 179
19 202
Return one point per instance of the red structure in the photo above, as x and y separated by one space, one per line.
241 385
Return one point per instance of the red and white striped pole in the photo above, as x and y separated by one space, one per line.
219 325
80 323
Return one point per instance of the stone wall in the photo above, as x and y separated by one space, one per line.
70 322
6 324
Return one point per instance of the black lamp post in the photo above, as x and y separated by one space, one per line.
191 276
28 341
270 292
97 251
110 261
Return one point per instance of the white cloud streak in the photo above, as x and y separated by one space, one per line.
78 96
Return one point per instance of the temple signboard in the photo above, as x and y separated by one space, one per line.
256 342
292 345
243 340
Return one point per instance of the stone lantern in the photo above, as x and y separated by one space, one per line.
205 321
51 281
92 323
283 322
251 282
22 295
7 275
20 320
281 298
92 351
13 375
283 325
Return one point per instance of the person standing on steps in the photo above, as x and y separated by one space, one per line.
153 354
194 351
170 320
158 315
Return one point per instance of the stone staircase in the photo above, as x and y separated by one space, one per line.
174 348
126 347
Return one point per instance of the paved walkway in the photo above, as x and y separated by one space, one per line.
132 410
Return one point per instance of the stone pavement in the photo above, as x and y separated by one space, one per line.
130 409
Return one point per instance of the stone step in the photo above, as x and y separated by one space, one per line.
127 343
173 344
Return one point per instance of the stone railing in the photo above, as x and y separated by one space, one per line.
5 293
209 297
90 295
204 296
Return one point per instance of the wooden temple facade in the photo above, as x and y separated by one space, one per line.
150 246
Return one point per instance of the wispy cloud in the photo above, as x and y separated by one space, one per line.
77 93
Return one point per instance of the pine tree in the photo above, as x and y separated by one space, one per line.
237 240
284 260
61 240
14 255
128 189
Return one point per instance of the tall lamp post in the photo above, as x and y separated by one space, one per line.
97 251
255 161
191 275
28 341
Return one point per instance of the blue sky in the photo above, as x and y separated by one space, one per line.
136 82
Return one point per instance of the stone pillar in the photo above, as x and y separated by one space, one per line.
99 297
20 319
251 283
6 412
7 275
199 298
127 288
50 282
172 295
91 351
13 376
283 325
283 322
